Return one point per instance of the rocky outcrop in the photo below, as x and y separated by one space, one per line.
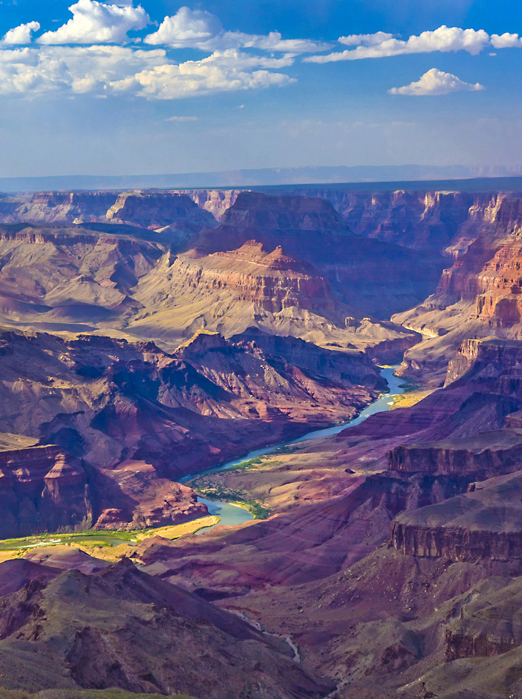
489 358
42 488
156 211
478 296
62 207
215 201
271 281
486 455
480 525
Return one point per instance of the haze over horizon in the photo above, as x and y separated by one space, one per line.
93 88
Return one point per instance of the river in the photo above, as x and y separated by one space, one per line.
233 514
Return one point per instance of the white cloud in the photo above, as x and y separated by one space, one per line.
435 82
506 41
21 34
186 29
202 30
183 118
223 71
106 70
365 39
77 70
95 22
442 39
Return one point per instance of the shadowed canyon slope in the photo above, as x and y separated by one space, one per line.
122 628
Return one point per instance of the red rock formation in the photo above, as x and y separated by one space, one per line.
157 210
42 489
478 296
485 455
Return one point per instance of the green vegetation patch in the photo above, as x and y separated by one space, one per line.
84 694
215 491
410 387
94 537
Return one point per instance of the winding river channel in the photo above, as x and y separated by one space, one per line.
233 514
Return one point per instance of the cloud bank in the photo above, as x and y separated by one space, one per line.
382 45
20 35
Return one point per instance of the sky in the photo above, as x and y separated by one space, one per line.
159 86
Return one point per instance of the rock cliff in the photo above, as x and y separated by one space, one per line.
421 219
143 209
156 211
42 488
480 525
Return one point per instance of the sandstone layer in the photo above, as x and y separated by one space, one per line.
477 297
119 279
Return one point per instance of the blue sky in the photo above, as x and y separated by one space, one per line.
154 87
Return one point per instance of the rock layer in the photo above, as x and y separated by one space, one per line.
42 488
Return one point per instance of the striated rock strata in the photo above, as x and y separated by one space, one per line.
42 488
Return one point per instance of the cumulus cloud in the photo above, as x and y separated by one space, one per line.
77 70
21 34
200 29
186 29
435 82
105 70
443 39
95 22
223 71
506 41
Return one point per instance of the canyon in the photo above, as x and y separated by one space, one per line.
149 337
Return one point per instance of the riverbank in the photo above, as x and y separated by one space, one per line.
105 544
256 480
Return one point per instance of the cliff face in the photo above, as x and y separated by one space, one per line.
62 207
477 297
143 209
42 488
156 211
447 221
480 525
488 454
